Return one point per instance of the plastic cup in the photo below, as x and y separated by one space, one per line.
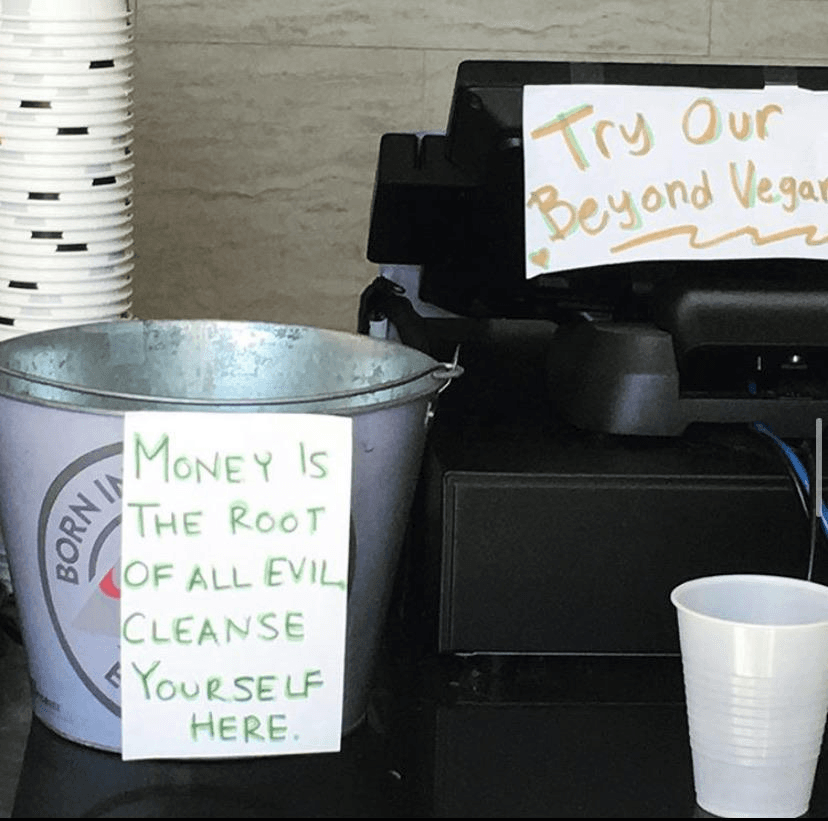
754 652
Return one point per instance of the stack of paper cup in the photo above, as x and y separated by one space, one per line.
66 162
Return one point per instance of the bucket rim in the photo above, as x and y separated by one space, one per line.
441 372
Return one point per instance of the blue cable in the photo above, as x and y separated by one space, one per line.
799 468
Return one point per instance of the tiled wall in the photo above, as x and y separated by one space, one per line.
258 123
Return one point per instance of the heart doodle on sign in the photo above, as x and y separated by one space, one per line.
540 258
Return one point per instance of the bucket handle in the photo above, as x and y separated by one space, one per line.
448 370
441 370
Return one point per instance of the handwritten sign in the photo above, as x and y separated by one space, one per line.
233 576
630 173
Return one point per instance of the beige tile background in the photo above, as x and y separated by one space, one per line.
258 123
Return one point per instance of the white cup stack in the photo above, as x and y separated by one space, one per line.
66 246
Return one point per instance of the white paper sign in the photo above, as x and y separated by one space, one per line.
234 569
629 173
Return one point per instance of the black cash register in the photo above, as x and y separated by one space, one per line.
601 448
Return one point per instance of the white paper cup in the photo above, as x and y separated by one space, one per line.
55 299
33 77
42 104
66 9
80 69
68 134
754 651
80 54
16 222
61 160
67 196
11 121
59 210
17 326
42 236
33 173
69 287
94 276
77 93
65 262
24 39
57 313
38 251
33 25
62 146
95 189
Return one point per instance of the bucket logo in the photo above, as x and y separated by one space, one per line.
79 551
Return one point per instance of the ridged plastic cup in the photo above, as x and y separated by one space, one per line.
754 652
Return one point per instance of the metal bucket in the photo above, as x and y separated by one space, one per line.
63 394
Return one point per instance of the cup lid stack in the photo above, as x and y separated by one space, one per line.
66 244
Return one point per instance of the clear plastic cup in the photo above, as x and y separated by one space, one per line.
754 652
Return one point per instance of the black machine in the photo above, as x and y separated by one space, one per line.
618 430
645 348
600 447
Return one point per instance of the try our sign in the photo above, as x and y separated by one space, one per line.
631 173
233 583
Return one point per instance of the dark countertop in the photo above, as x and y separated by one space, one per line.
452 737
